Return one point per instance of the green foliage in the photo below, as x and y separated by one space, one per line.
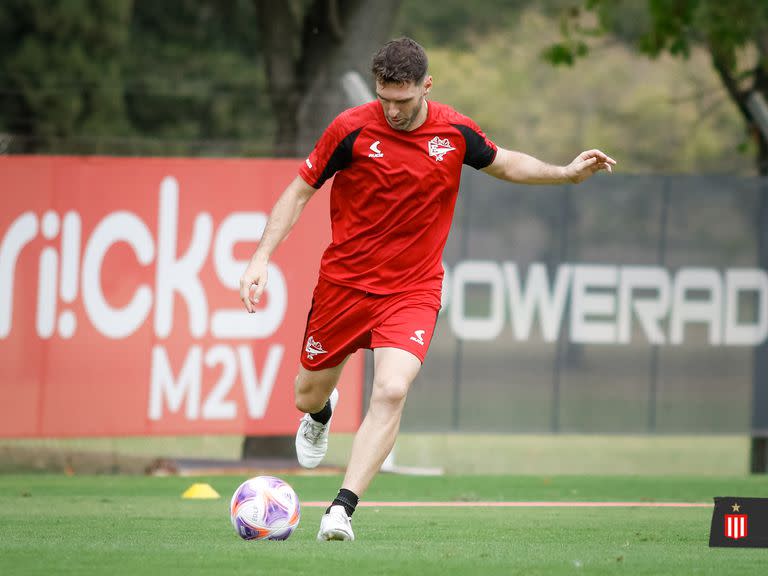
734 33
673 26
194 77
663 116
61 67
141 76
566 52
456 23
188 76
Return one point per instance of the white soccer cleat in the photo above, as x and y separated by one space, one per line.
336 525
312 437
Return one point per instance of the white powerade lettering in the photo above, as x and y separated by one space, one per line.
610 304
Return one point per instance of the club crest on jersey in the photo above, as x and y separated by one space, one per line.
439 147
313 348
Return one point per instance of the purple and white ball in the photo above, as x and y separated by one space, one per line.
265 508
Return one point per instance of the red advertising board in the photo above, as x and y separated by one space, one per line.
119 304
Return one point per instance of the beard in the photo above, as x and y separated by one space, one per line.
405 122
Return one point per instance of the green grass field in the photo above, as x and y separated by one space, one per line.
94 525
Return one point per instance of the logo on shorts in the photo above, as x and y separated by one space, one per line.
418 336
313 348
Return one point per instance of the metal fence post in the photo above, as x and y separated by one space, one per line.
759 447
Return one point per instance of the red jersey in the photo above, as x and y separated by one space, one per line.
393 197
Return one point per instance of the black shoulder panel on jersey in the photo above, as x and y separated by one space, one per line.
340 158
478 154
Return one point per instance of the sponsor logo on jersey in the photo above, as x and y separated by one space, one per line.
439 147
313 348
375 152
308 163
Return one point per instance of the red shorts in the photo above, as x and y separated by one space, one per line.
342 320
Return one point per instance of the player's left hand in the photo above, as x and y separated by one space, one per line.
587 163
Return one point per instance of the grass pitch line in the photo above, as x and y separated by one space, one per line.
522 504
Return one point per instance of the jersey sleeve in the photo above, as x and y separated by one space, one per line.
332 152
480 150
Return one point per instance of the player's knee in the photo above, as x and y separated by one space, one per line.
300 401
309 403
303 398
391 390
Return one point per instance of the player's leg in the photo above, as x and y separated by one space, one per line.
394 371
314 387
336 327
316 396
400 337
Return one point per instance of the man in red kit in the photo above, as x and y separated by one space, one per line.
397 164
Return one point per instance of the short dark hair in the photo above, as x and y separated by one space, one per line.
400 61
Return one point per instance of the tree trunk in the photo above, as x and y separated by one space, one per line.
280 31
307 54
762 156
336 42
759 433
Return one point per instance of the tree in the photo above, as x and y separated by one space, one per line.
61 69
181 76
194 79
735 34
132 77
308 47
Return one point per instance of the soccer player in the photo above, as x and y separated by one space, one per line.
397 164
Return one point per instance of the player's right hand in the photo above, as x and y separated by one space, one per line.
252 283
587 163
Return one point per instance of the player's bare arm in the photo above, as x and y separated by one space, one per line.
524 169
284 215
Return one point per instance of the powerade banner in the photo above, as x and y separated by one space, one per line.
119 304
623 305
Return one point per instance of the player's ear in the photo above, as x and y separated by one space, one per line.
427 84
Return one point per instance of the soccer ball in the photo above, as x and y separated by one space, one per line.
264 508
